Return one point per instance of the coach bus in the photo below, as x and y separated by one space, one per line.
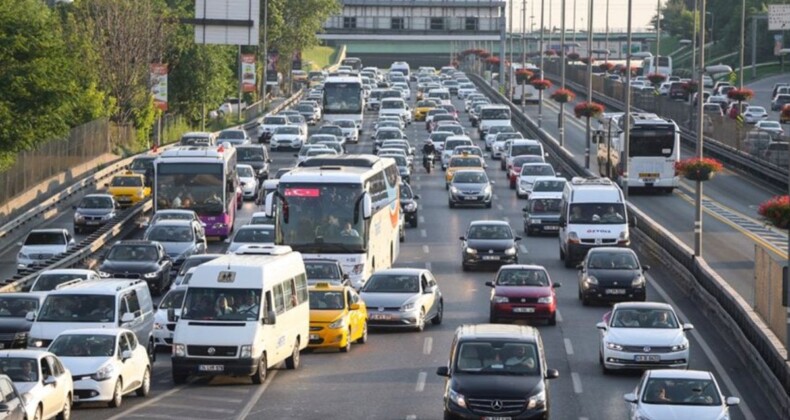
344 99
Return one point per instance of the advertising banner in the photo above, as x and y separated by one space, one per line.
296 61
778 44
158 78
248 72
271 67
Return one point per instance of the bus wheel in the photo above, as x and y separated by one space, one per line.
259 376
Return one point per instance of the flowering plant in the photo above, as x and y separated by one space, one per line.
523 76
563 95
656 78
492 60
606 66
690 87
550 53
541 84
697 169
633 70
776 210
588 110
740 95
587 60
573 56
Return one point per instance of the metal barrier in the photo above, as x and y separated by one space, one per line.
763 346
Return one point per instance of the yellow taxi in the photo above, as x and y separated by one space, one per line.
422 108
338 317
128 188
462 162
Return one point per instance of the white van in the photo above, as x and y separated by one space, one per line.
402 67
492 115
443 95
104 303
261 292
592 214
197 138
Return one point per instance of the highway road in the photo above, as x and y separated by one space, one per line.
393 375
762 93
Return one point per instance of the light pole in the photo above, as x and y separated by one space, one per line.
561 121
540 92
712 28
700 137
574 20
589 79
658 32
510 68
627 116
694 44
523 48
265 51
743 41
606 41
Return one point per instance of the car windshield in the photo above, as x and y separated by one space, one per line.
171 234
127 181
769 124
495 114
393 283
454 129
173 299
231 134
470 178
644 318
287 130
249 154
245 172
83 345
78 308
336 131
681 391
399 160
45 238
612 261
489 232
508 136
256 236
498 358
20 369
275 121
523 277
405 192
756 109
392 105
426 104
597 213
548 186
389 134
47 282
133 253
466 161
443 117
472 150
305 108
544 206
525 149
346 124
321 271
450 145
193 262
537 170
17 307
296 119
440 137
327 300
96 203
317 138
142 164
262 220
219 304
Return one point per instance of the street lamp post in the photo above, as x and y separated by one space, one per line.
700 137
542 33
743 41
627 116
510 68
562 73
606 40
694 44
658 33
589 80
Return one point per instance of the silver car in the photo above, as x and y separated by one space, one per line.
403 298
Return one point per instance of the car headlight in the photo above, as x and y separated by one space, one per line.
338 324
104 373
614 346
454 190
104 274
638 282
158 326
140 194
456 398
534 221
108 216
510 251
410 206
590 280
406 307
179 350
22 256
546 299
151 275
536 400
471 251
487 189
623 238
246 352
357 269
500 299
78 217
35 342
682 346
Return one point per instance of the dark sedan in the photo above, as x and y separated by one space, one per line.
145 260
408 205
488 243
93 211
611 274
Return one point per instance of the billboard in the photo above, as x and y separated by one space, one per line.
227 22
272 57
158 82
248 72
778 17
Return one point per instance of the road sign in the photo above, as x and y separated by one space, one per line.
778 17
226 22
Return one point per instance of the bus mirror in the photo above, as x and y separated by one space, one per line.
367 207
269 205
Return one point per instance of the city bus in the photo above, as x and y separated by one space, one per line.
202 179
654 148
345 208
353 62
344 99
664 65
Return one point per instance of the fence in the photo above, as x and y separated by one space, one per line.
768 290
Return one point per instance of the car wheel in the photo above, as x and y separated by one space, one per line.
568 261
260 374
402 235
553 319
364 337
451 204
437 320
413 222
77 231
292 362
65 413
151 351
347 347
117 395
145 387
421 321
449 416
488 205
585 300
465 267
604 369
38 415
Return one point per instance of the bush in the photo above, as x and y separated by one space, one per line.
541 84
573 56
776 210
656 78
606 66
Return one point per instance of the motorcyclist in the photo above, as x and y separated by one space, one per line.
428 153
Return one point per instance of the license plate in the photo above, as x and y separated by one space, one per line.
497 418
524 310
615 291
491 257
470 198
644 358
314 336
124 199
93 223
648 175
380 316
551 228
211 368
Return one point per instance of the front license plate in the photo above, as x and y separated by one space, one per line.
491 257
314 336
380 317
124 200
643 358
497 418
211 368
470 198
551 228
524 310
92 223
615 291
75 397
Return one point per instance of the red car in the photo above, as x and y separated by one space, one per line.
523 292
518 163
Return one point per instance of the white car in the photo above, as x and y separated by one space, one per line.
501 142
664 88
249 182
260 218
771 127
269 124
251 235
678 394
236 137
396 106
529 173
404 90
466 90
490 136
164 328
391 118
41 245
754 114
175 214
106 363
289 136
310 150
55 279
44 383
350 130
449 147
639 335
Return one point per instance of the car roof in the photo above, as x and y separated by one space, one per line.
95 331
402 271
489 222
68 271
172 222
616 249
48 230
497 331
643 305
326 286
135 242
175 211
522 267
255 227
98 195
677 373
321 260
103 286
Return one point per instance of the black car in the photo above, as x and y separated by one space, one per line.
256 156
496 371
136 259
542 214
408 205
14 326
93 211
611 274
489 243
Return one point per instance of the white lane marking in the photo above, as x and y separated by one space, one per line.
723 375
159 416
411 417
495 197
577 382
499 207
197 408
421 219
421 377
219 399
425 249
523 249
162 381
428 266
423 233
427 345
568 347
584 418
251 403
559 316
147 403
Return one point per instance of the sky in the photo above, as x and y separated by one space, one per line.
643 11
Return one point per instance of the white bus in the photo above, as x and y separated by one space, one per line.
346 208
664 65
344 99
242 315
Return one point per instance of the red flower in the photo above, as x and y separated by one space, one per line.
588 110
563 95
656 78
492 60
634 69
690 87
573 56
586 60
692 165
606 66
550 53
776 210
740 94
541 84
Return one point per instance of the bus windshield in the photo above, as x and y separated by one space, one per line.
190 186
652 143
219 304
342 98
319 218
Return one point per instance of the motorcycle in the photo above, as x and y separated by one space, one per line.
427 162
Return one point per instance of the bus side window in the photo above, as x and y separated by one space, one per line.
267 303
301 288
279 302
289 294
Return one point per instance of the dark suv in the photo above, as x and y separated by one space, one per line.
677 91
496 371
408 205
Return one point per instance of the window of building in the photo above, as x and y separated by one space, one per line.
397 23
437 24
470 24
349 23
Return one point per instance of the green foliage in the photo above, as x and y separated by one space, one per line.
293 25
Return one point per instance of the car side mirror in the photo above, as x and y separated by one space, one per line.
463 238
50 380
490 284
556 285
552 374
517 238
443 371
107 185
562 223
30 316
630 397
171 315
416 196
354 307
601 326
127 317
296 155
580 266
20 244
631 221
74 207
731 401
227 240
271 318
126 355
688 327
269 160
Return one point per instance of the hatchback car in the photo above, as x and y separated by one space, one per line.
338 317
638 335
41 245
528 174
12 399
488 243
179 238
404 298
43 381
163 327
670 393
321 270
14 309
236 137
518 163
523 292
773 128
470 188
349 129
93 211
250 235
287 137
248 180
611 274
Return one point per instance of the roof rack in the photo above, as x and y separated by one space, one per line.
593 180
68 283
263 250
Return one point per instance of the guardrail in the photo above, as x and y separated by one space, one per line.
759 343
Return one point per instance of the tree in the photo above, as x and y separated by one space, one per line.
44 90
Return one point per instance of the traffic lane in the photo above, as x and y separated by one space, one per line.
762 93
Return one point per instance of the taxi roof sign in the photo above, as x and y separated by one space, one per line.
322 285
